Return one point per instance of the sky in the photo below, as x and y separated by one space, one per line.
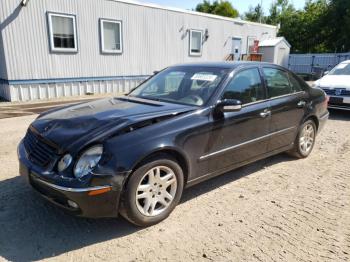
241 5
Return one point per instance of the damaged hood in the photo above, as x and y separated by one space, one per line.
70 126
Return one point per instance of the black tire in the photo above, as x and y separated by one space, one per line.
296 151
130 209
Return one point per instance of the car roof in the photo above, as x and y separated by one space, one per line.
225 64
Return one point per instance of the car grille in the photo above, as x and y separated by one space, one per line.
39 151
337 92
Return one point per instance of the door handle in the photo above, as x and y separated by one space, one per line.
301 103
265 113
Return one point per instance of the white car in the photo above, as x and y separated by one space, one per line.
336 84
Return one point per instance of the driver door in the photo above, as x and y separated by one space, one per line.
240 136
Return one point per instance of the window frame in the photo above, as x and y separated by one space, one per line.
102 39
190 44
54 49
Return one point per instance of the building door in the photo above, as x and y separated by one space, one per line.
281 55
236 48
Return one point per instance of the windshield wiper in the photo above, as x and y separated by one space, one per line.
163 100
149 98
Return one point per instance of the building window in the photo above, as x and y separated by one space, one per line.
251 47
196 37
62 32
111 36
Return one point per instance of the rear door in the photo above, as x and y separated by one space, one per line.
288 103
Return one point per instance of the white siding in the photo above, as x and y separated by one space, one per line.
26 92
153 38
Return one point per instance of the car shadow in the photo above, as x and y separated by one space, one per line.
232 176
33 229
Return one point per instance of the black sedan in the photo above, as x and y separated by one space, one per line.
133 155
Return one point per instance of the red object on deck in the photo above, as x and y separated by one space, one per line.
256 46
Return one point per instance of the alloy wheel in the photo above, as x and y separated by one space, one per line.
307 138
156 191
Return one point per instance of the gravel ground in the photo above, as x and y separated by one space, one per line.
278 209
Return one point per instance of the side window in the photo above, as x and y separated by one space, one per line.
296 87
277 82
246 86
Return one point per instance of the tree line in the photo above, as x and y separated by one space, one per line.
321 26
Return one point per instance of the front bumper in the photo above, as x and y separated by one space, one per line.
88 203
338 99
339 102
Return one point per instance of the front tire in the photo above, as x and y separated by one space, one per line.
305 140
153 191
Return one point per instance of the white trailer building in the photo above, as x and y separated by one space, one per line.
55 48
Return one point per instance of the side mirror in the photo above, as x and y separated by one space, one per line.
229 105
325 73
155 72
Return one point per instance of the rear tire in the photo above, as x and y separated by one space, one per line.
305 140
153 191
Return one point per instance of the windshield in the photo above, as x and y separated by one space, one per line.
183 85
341 69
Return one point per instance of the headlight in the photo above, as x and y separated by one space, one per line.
64 162
87 161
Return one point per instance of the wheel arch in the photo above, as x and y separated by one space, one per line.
314 119
169 152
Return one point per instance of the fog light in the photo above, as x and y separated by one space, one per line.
72 204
